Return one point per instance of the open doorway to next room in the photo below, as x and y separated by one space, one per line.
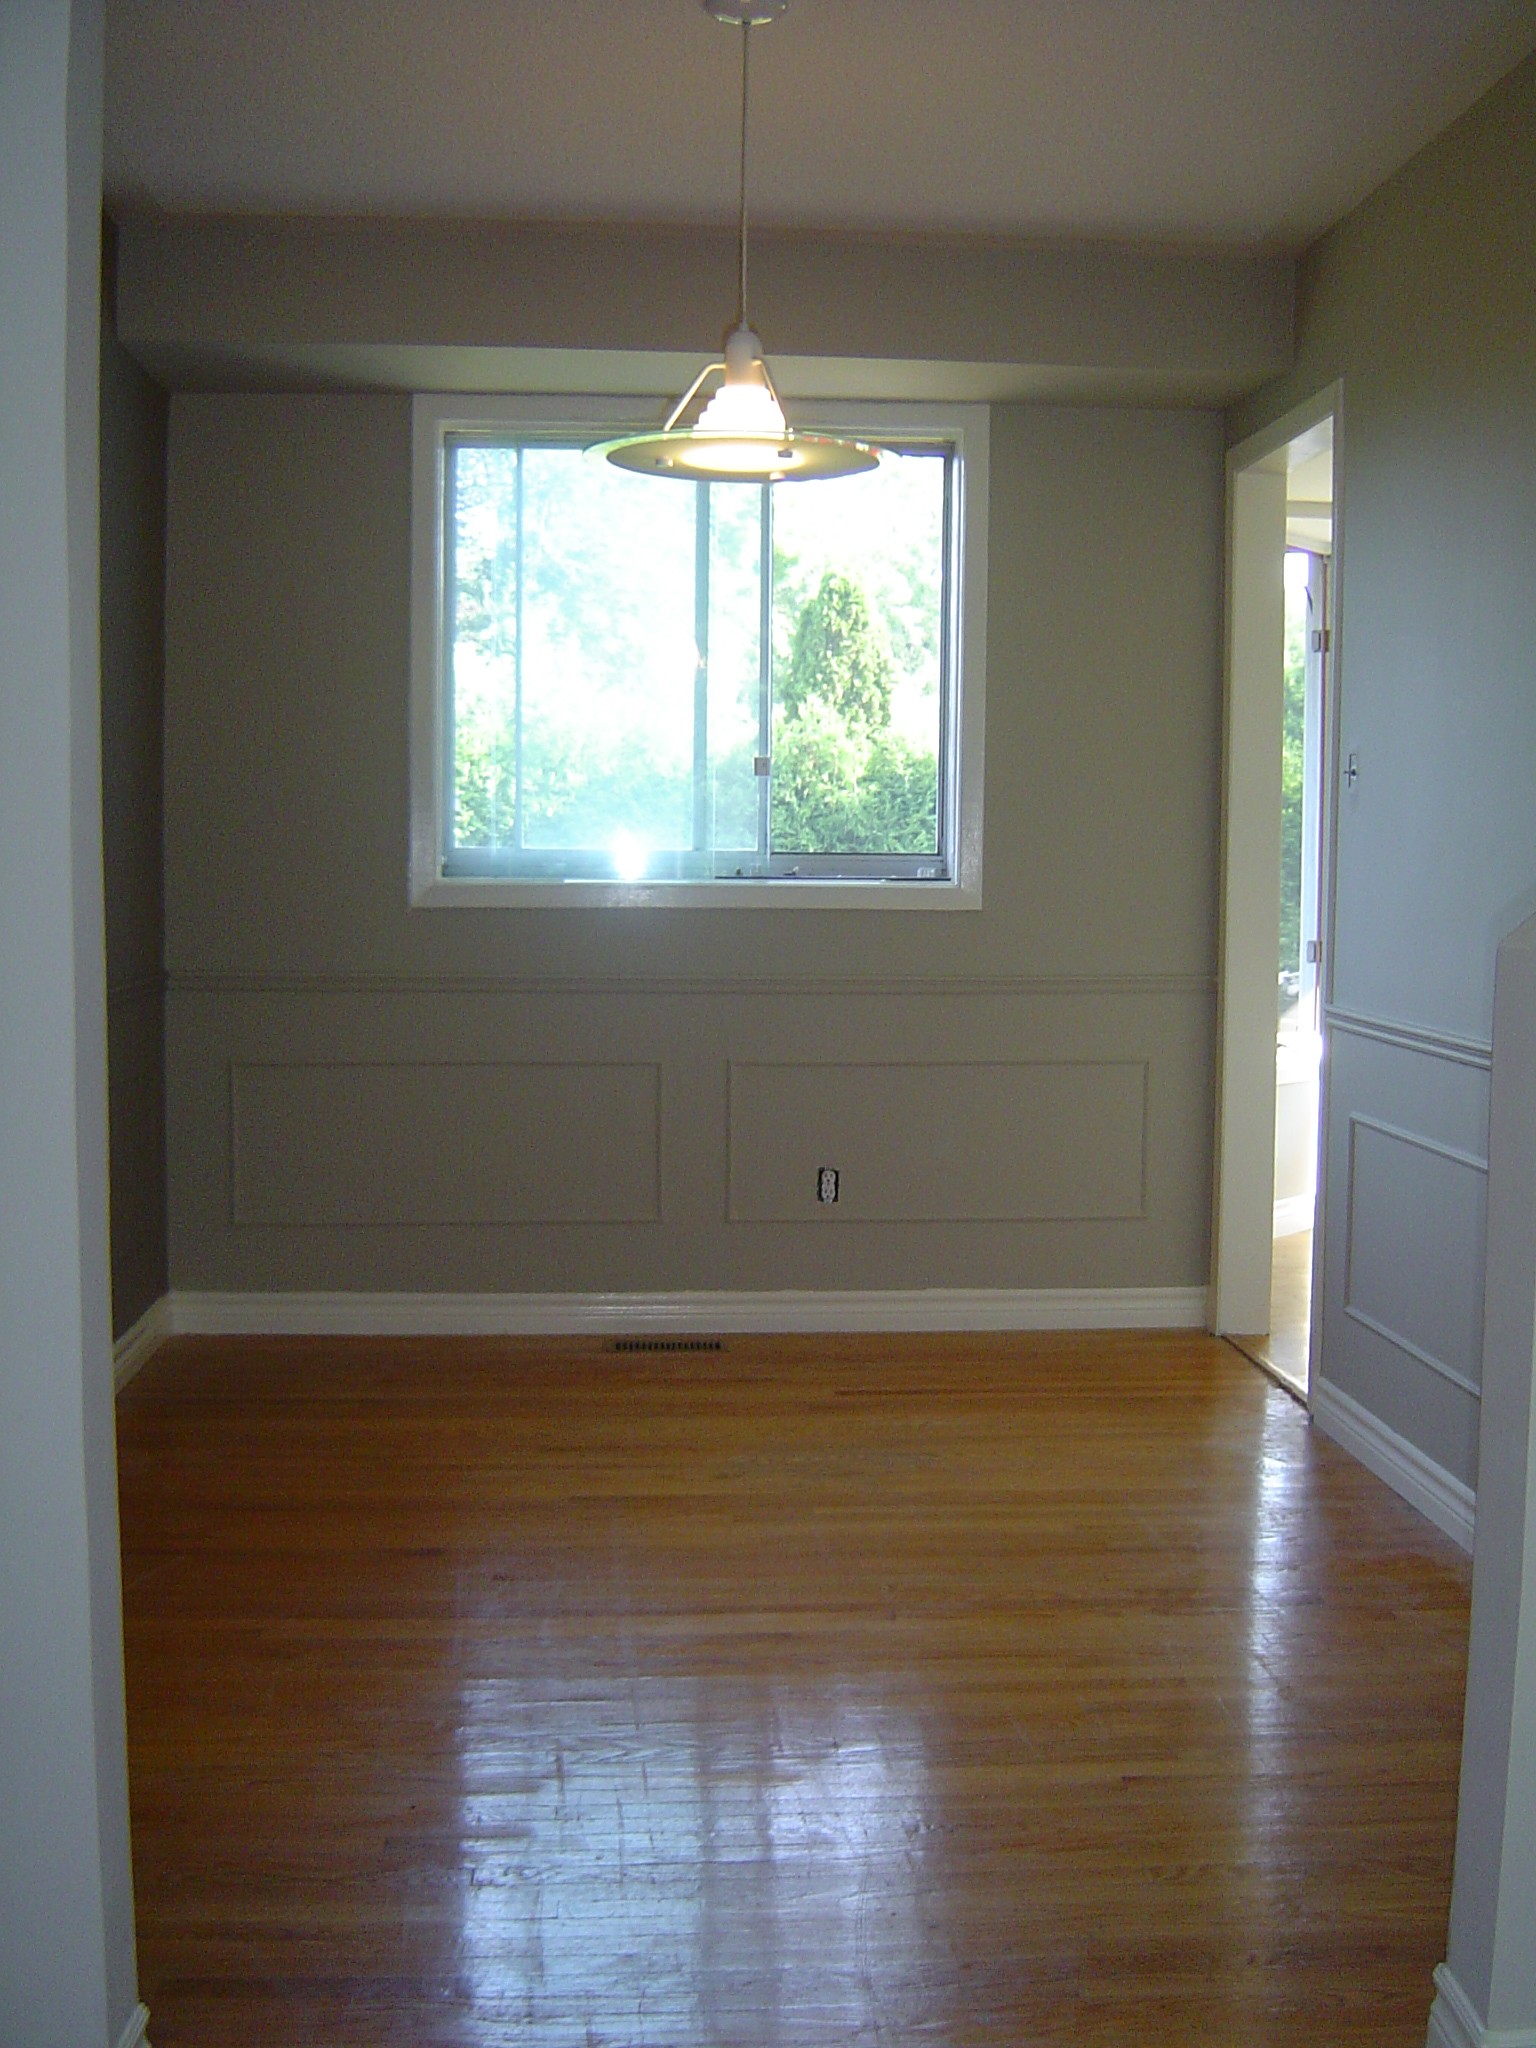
1285 1347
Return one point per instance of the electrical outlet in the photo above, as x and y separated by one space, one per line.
826 1184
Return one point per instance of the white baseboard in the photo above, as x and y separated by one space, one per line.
1447 1501
133 2034
142 1339
1454 2021
723 1313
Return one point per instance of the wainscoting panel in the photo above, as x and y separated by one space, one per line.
939 1142
440 1136
343 1146
1402 1282
1421 1290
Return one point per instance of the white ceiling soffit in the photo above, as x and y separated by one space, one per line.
1244 123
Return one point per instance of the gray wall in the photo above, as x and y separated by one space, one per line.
363 1096
293 304
133 434
1423 301
66 1895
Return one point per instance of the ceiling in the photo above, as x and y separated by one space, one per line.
1239 123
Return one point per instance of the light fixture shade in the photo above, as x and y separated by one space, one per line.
740 435
697 456
745 13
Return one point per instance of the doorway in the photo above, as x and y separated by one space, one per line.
1279 688
1299 1037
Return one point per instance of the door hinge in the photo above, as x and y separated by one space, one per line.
1322 640
1314 951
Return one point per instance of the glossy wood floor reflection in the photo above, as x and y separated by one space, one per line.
938 1691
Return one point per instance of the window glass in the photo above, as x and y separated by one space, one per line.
648 681
858 600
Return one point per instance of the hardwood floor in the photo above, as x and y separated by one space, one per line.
986 1690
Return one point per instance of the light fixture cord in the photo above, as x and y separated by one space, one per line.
741 306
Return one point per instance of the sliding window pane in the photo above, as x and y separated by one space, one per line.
737 693
609 659
482 644
858 614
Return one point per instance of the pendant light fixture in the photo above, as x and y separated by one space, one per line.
741 435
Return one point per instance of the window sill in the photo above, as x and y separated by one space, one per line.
802 893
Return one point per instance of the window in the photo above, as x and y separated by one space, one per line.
629 689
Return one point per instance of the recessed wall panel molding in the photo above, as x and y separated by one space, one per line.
1416 1225
357 1145
930 1141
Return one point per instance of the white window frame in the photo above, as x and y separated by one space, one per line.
436 416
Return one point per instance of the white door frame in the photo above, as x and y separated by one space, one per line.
1242 1222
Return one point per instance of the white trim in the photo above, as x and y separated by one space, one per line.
760 892
792 1310
1447 1501
1302 420
133 2034
1454 2021
141 1340
1243 1183
1440 1045
1243 1194
436 415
